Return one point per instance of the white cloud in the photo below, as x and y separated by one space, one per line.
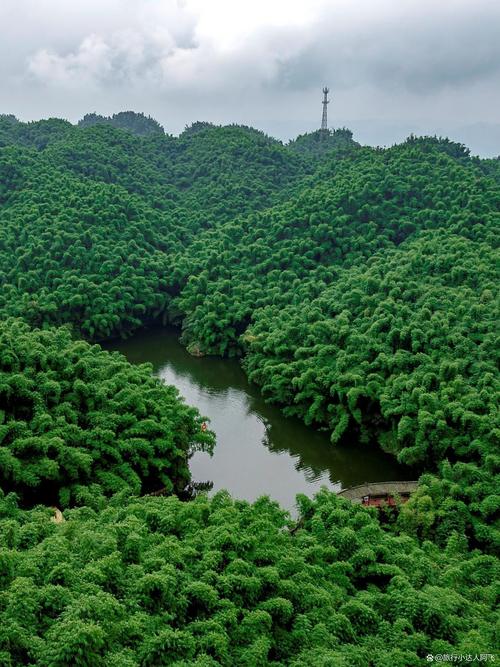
91 63
388 44
220 43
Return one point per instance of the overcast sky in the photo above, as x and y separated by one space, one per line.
393 66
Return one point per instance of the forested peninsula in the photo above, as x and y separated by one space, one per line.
357 285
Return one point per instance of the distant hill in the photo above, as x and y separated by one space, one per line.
37 134
137 123
320 142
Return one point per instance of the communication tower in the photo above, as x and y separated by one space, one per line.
324 119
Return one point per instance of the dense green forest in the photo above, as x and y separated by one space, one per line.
359 288
137 123
155 581
77 420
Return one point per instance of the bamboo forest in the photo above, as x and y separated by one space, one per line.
357 289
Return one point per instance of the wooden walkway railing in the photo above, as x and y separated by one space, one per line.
378 489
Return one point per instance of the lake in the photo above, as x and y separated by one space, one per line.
258 451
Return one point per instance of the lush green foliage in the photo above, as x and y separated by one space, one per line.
367 202
402 350
35 135
159 582
78 251
75 421
137 123
320 142
91 228
358 284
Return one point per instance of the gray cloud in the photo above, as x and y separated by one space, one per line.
416 50
393 65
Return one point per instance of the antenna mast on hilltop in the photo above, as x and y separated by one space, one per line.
324 120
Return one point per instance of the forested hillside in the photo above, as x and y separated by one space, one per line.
155 581
92 227
76 419
359 288
137 123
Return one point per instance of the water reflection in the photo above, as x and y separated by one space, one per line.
258 451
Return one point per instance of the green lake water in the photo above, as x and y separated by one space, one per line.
258 451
